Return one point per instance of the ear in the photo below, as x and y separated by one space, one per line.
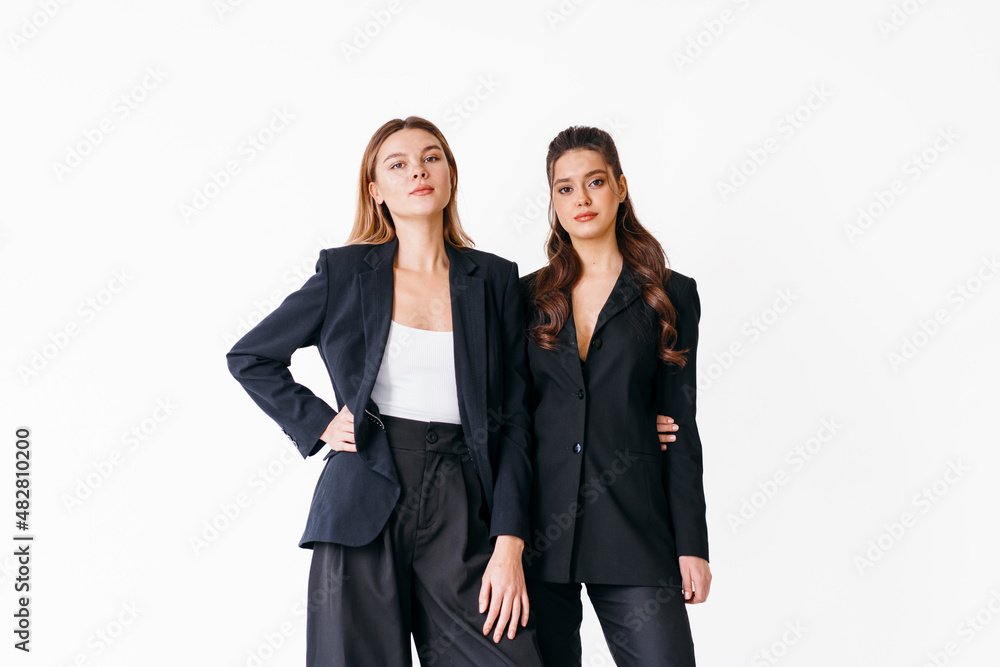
373 191
622 188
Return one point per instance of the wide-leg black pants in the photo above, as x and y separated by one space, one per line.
421 575
644 626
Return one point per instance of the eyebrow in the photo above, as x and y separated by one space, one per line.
587 175
428 148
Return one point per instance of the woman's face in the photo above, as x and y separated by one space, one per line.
584 194
412 175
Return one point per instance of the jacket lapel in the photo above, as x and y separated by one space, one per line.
376 308
569 353
468 321
468 315
621 297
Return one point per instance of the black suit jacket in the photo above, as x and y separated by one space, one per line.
607 505
345 309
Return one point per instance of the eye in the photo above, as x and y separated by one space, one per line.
564 190
395 164
597 182
431 158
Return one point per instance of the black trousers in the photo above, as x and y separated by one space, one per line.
421 575
644 626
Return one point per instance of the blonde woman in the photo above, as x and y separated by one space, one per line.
419 517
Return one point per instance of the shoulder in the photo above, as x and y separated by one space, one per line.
679 285
496 270
344 262
488 261
353 253
528 283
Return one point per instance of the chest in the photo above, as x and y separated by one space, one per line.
589 299
422 301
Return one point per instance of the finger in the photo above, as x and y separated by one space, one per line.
484 598
666 429
515 614
491 617
525 609
686 583
504 618
701 588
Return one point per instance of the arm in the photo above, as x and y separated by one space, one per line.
682 469
512 487
259 361
503 592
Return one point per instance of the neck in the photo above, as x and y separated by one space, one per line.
600 255
421 244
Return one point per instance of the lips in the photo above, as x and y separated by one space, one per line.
585 216
422 190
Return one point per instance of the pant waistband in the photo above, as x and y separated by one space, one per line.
437 437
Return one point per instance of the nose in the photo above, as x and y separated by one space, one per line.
582 199
420 170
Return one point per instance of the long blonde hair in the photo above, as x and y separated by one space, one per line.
373 223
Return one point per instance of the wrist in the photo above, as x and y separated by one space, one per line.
509 543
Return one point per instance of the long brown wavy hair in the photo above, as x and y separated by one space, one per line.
642 253
373 223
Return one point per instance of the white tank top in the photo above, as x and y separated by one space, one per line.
417 377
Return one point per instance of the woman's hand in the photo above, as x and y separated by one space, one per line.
665 427
503 588
339 434
696 577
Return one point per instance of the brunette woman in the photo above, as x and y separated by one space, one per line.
418 520
613 337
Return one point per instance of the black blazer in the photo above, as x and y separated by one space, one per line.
345 309
607 506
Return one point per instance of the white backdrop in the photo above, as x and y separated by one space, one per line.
827 172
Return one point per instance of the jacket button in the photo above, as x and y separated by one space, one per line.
597 343
579 394
577 448
431 437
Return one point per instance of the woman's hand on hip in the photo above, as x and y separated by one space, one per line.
339 434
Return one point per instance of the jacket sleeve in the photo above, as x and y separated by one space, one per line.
676 397
259 361
512 488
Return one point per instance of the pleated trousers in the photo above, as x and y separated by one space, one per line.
421 575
